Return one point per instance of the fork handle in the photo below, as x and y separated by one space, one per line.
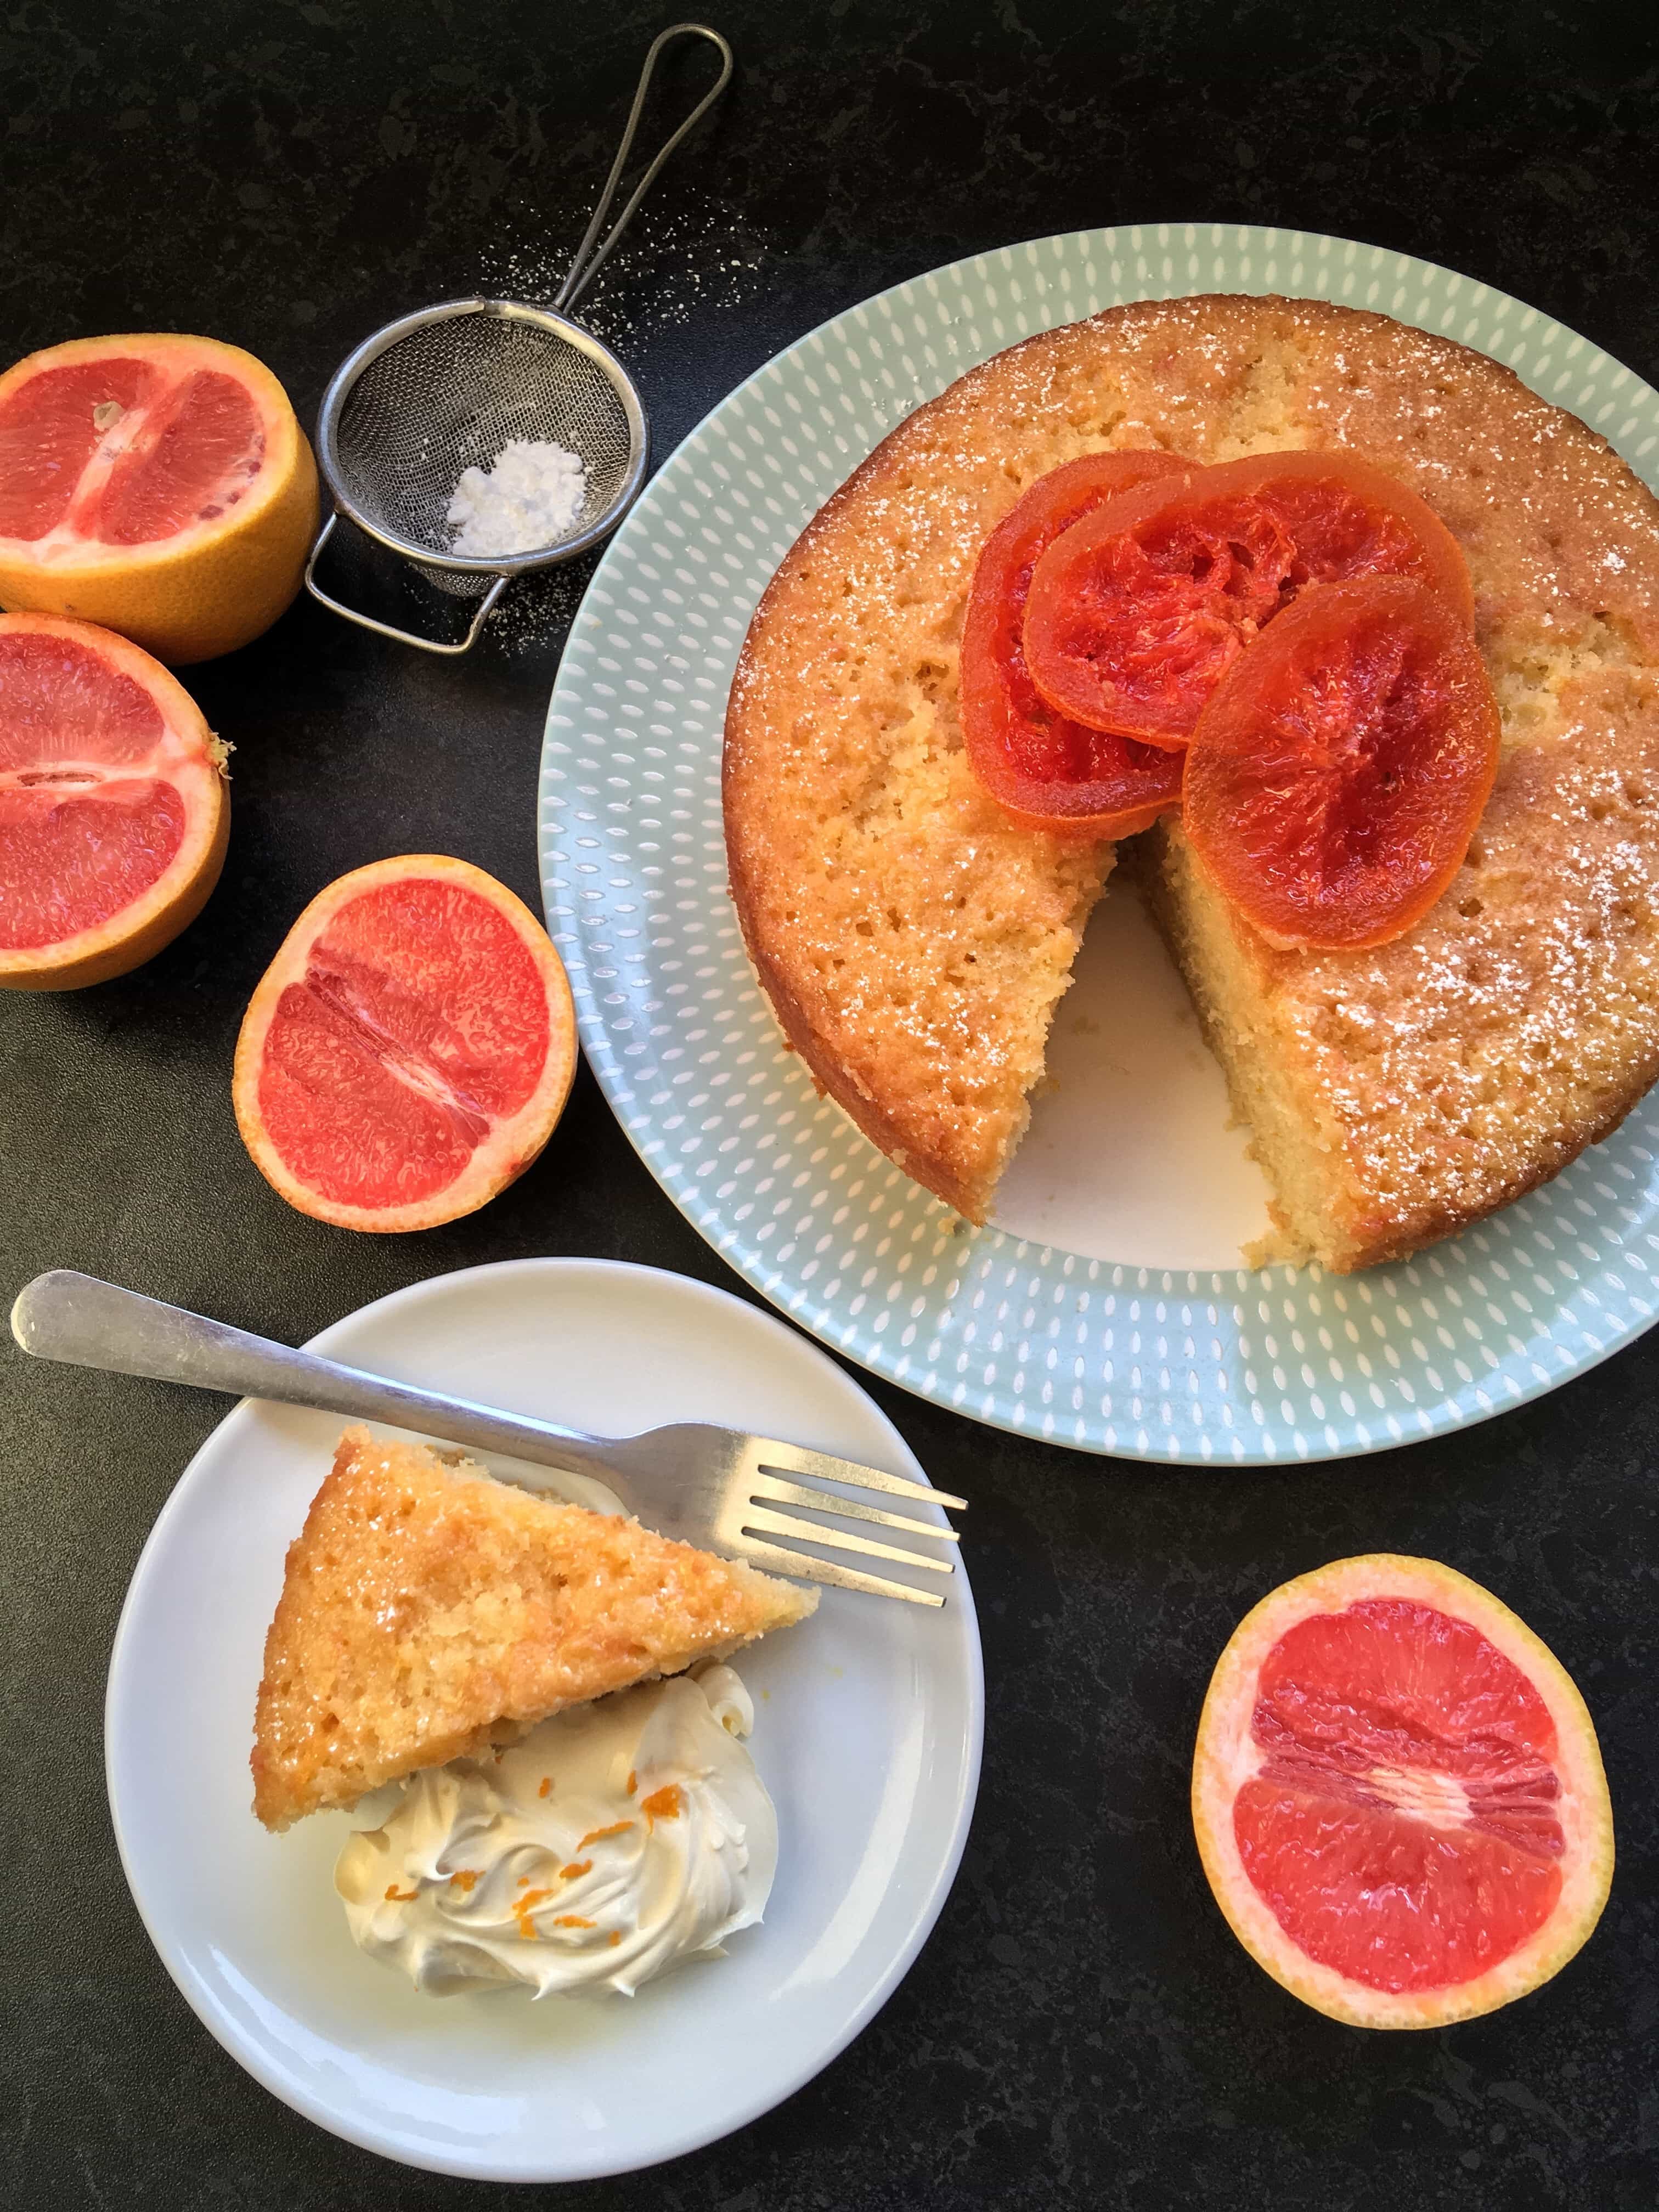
89 1323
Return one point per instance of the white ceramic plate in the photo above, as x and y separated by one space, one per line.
1106 1306
867 1736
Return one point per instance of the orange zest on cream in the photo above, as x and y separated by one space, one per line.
525 1908
536 1897
599 1835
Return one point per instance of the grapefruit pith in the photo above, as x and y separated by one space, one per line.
158 484
1398 1796
408 1050
113 810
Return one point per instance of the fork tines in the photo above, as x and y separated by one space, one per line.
774 1458
803 1568
817 1509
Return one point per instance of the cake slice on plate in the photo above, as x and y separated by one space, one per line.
428 1611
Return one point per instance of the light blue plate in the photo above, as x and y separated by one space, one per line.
1142 1362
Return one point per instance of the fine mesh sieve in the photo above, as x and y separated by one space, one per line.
446 388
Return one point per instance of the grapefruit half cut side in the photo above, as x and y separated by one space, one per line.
158 484
410 1049
1398 1796
114 814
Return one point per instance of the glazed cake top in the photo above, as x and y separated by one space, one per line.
915 942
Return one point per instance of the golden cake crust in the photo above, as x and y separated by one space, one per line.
1420 1085
428 1611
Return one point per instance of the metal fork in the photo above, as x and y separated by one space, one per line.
720 1488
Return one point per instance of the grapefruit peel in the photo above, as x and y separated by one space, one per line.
1227 1755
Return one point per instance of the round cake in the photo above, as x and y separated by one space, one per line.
914 940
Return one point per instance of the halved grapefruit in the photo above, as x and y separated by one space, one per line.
1398 1796
408 1050
113 810
159 485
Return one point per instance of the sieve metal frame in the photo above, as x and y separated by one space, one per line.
493 564
502 567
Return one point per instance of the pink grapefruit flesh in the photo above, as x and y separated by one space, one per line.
168 454
157 483
1398 1796
408 1050
113 812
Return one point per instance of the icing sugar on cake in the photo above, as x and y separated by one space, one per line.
916 943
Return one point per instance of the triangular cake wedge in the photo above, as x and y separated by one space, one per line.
428 1611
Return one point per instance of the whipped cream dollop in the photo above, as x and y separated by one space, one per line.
603 1846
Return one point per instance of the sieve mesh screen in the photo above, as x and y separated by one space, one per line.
448 396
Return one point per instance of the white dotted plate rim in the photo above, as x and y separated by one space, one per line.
1187 1365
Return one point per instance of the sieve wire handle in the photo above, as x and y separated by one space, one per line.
583 270
386 629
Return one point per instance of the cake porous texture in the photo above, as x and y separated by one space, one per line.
915 942
428 1610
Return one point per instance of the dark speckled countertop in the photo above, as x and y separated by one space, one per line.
1081 2030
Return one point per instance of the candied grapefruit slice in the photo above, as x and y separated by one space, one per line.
1398 1796
1038 765
159 485
1137 611
1337 773
408 1050
113 811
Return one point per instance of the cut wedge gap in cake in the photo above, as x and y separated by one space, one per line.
916 943
1133 1154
